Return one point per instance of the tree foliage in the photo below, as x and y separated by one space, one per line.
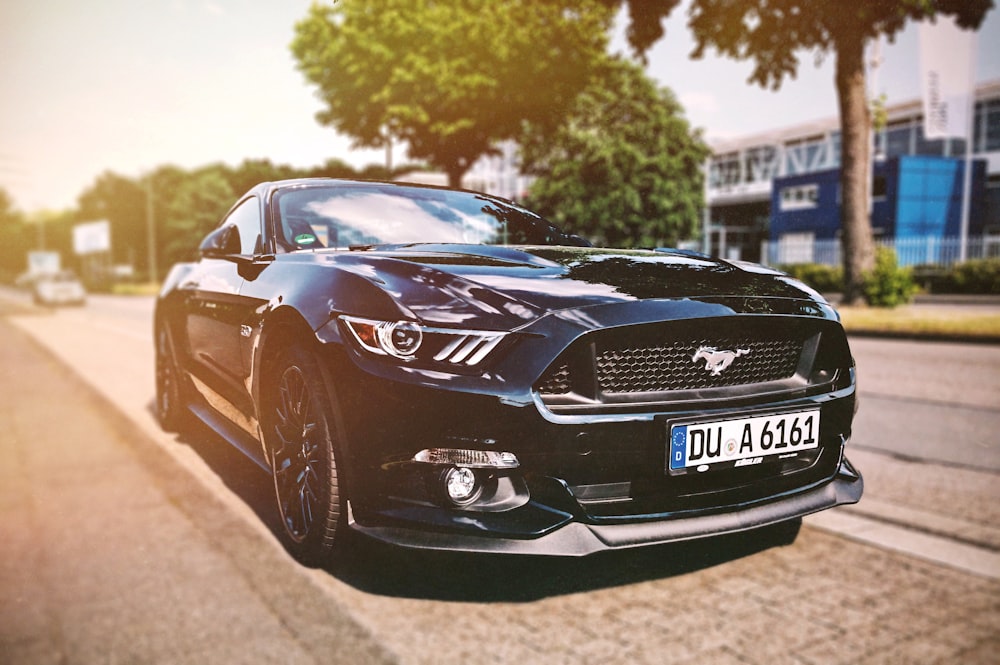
451 79
195 208
772 33
625 169
22 233
122 202
184 206
15 235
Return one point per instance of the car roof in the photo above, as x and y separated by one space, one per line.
269 188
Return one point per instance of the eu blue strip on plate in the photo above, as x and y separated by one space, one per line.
678 443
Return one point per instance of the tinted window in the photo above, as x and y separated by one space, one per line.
246 218
342 216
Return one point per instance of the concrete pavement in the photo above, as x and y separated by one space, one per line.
109 551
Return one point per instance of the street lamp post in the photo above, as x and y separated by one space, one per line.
151 229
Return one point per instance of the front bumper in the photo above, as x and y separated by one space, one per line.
581 539
591 477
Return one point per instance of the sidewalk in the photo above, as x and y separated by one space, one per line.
100 562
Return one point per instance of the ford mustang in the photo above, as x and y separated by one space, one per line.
444 369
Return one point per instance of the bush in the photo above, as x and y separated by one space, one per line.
977 276
823 278
888 285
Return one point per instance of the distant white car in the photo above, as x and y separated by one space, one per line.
61 288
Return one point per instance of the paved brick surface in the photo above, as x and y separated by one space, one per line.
821 600
111 551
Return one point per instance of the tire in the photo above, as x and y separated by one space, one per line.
170 408
301 436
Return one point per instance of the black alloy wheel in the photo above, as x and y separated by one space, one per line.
170 409
300 431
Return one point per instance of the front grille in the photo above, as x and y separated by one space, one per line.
692 360
679 365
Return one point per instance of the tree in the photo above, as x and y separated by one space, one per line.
451 79
52 230
185 205
194 208
771 32
625 169
16 238
122 202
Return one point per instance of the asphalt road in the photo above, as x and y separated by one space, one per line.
929 401
123 544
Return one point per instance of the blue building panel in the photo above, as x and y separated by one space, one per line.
806 203
930 200
912 197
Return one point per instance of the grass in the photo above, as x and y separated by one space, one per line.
923 321
138 289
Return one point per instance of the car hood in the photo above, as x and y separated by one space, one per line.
449 284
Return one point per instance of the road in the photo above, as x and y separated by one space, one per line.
929 401
205 518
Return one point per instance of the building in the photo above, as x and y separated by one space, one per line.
774 196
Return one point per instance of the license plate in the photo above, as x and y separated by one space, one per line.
742 441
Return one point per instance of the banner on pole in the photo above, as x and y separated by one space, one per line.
946 66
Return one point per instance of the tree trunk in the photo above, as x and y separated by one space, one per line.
858 245
456 171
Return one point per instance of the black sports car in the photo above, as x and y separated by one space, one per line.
444 369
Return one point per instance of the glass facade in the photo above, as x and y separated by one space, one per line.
725 170
987 126
902 136
743 196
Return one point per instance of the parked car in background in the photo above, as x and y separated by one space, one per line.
59 288
444 369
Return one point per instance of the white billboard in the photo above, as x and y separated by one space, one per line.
43 263
92 237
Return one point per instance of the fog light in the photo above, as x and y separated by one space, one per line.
461 485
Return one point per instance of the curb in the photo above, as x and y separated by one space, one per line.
923 337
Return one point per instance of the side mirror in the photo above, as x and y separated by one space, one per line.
221 243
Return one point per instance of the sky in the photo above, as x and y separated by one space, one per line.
127 86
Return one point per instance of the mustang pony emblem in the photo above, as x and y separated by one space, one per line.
716 361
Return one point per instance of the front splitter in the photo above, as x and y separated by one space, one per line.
578 539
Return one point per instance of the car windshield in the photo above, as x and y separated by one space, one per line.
363 214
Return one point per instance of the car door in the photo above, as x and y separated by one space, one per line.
215 312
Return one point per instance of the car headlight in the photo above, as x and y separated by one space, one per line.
399 339
408 340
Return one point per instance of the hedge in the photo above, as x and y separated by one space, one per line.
974 277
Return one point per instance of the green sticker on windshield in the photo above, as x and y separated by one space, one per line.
305 239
